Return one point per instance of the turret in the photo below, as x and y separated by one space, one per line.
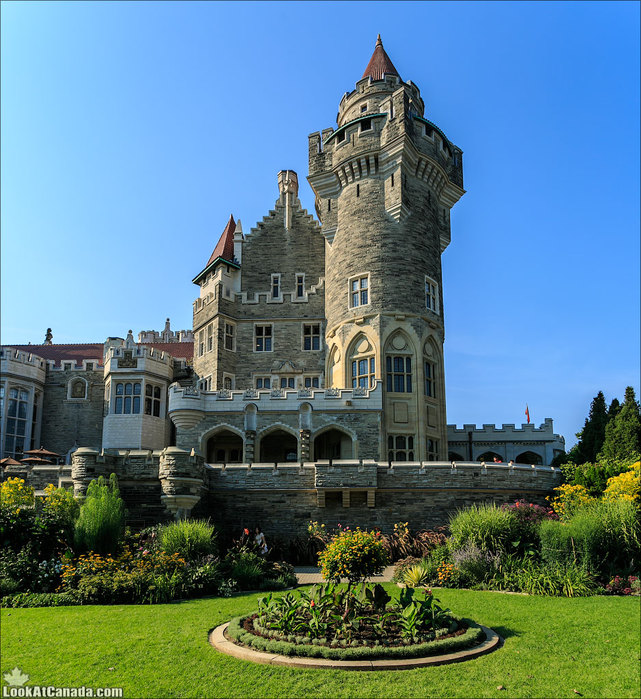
385 180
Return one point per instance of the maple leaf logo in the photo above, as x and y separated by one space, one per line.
15 678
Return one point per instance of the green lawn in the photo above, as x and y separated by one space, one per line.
553 646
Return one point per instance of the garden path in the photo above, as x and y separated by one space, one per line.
308 575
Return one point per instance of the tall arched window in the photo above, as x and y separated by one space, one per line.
362 364
399 365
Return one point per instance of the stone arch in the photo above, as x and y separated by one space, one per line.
488 456
78 388
224 443
333 442
277 442
529 457
333 366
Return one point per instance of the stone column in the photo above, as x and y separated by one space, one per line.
84 467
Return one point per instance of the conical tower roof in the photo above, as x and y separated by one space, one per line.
225 246
379 63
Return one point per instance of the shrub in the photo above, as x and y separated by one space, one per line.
355 555
402 543
474 565
418 575
41 599
189 538
488 527
101 524
630 585
603 538
402 566
535 578
15 494
626 486
569 500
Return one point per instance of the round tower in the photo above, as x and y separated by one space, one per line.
385 180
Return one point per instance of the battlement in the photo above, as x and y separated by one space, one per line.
123 357
547 428
10 354
196 402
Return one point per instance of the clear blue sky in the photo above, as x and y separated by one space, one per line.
130 132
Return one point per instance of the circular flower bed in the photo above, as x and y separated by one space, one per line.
344 623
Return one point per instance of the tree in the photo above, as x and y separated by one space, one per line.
592 435
614 409
101 524
623 432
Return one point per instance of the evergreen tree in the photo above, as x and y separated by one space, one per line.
592 435
623 431
614 409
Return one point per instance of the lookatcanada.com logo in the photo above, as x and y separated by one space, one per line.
16 686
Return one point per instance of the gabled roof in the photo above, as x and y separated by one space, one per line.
379 63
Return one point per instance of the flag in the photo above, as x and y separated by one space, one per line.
527 413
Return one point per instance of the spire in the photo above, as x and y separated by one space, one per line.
379 63
225 246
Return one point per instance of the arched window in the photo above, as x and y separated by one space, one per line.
430 370
400 447
362 364
398 365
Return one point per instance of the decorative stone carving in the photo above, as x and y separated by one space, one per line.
332 393
250 393
223 393
127 361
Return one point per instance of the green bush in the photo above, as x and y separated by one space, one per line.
41 599
604 538
101 524
189 538
536 578
488 527
475 566
355 555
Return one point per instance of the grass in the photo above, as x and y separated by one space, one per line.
553 647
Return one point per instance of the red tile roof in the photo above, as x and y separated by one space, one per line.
65 353
178 350
76 353
225 246
379 63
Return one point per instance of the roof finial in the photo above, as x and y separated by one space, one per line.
378 40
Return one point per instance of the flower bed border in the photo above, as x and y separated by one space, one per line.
223 642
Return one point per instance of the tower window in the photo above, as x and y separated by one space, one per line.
358 190
275 286
300 286
127 398
363 108
228 382
16 426
263 382
329 204
432 449
311 337
366 125
210 337
263 338
341 136
201 343
428 131
311 381
152 400
400 447
399 374
230 337
359 291
430 390
431 295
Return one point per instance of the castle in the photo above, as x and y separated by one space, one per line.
317 342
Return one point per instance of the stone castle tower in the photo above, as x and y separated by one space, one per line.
385 180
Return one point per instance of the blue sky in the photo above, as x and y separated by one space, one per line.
130 132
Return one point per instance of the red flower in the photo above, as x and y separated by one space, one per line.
246 532
312 604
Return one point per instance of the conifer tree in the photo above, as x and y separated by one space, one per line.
614 409
592 435
623 432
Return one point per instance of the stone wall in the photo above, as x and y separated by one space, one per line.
68 421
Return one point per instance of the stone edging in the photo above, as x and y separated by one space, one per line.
221 642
